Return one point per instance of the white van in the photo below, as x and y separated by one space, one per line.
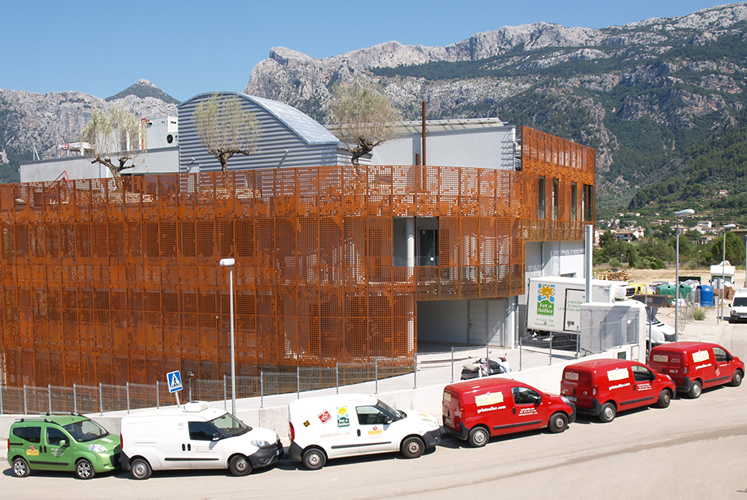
194 437
739 306
346 425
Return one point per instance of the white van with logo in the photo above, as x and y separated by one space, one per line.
194 437
346 425
739 306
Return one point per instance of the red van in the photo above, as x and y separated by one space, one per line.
475 410
603 387
694 366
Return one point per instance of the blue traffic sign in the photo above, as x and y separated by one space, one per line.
174 380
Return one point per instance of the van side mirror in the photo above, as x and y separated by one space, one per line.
538 399
389 420
216 436
63 442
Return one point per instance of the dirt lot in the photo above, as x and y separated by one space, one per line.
650 276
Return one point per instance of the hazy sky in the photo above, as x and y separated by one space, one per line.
187 47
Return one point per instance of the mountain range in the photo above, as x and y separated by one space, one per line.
648 95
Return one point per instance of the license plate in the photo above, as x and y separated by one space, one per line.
447 420
571 398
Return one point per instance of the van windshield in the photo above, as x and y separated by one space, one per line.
230 425
739 302
85 430
396 414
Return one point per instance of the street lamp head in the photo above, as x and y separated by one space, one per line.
729 226
227 262
684 213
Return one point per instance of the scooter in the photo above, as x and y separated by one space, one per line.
485 368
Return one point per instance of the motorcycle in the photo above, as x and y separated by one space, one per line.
485 368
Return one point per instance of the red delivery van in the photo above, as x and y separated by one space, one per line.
477 409
604 387
694 366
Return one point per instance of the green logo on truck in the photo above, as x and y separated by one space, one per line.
546 300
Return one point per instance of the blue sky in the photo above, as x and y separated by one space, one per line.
188 47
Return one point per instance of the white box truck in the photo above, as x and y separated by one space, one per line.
554 303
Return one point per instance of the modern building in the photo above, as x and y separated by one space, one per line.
107 282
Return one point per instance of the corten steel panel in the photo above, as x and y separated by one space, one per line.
108 282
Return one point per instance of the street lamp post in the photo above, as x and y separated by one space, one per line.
229 263
723 273
682 213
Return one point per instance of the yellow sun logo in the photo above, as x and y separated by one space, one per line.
547 292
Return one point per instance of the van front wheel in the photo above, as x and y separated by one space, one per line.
84 469
413 447
478 437
314 459
664 399
558 423
239 465
140 469
736 380
608 412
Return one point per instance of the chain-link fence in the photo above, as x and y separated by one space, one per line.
105 398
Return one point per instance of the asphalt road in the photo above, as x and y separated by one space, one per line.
693 449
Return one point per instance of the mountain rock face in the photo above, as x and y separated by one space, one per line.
638 93
143 88
42 121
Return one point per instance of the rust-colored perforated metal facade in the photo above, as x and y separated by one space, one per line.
113 283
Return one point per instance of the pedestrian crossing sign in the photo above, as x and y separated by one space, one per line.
174 380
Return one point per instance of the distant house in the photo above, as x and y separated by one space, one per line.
629 234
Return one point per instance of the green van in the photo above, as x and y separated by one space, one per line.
69 442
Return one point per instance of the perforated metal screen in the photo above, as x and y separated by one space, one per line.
113 283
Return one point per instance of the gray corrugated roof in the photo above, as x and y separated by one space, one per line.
307 128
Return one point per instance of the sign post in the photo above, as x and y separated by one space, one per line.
174 380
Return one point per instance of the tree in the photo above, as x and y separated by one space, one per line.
225 129
734 249
364 118
113 139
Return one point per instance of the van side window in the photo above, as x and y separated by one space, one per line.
370 415
525 396
719 355
30 434
641 374
201 431
54 436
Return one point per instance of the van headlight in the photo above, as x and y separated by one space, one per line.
565 400
260 443
97 448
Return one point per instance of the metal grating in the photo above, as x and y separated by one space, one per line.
107 283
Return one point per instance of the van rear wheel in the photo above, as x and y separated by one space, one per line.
736 380
140 469
239 465
695 390
478 437
313 459
608 413
664 399
21 467
413 447
558 423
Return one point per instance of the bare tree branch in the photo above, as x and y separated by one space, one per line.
364 117
225 129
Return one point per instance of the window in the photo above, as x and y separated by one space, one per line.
574 200
54 436
541 193
588 202
85 430
525 396
371 415
30 434
555 198
202 431
641 374
720 355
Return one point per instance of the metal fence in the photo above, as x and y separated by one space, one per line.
105 398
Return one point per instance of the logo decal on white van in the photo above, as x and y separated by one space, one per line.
700 356
489 399
325 416
617 374
342 417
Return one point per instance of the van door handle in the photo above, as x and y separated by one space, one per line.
359 432
183 448
189 447
514 409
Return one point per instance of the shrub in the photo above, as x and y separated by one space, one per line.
699 314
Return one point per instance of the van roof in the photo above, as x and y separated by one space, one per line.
479 383
333 399
684 346
207 413
594 364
